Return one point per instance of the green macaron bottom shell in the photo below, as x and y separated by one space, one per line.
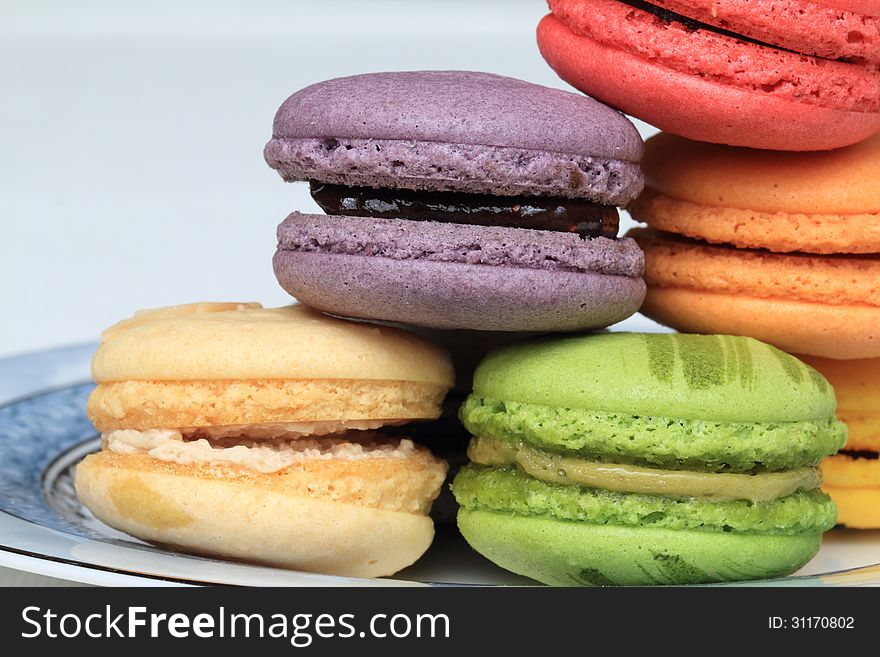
511 491
572 535
703 445
564 553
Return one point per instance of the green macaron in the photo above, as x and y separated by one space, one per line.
628 458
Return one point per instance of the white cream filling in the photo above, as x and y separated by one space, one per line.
264 456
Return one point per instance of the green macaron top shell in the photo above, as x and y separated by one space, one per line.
691 377
703 445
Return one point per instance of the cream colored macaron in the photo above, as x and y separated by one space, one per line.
237 431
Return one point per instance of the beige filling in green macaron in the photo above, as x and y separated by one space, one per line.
623 478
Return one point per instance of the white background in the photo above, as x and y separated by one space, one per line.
131 136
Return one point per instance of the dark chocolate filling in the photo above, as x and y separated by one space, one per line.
539 213
860 454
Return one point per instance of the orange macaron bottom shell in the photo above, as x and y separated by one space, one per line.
794 326
692 105
816 305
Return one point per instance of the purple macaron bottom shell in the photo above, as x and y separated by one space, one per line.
449 295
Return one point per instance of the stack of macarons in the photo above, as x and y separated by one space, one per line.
471 207
453 200
771 229
457 201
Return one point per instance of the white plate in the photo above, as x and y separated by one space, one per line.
45 530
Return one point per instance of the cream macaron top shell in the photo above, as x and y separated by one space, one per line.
843 181
223 341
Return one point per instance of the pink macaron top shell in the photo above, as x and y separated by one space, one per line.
864 7
723 59
834 29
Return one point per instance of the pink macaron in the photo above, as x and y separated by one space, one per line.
739 73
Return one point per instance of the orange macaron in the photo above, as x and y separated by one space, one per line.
782 247
819 202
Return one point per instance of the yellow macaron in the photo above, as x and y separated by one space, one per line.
852 477
245 432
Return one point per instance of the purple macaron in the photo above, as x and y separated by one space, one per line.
459 200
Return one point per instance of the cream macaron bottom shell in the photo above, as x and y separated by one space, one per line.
347 517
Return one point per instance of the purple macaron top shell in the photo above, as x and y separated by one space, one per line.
425 165
458 107
458 131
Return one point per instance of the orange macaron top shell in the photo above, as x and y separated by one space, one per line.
706 83
820 202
